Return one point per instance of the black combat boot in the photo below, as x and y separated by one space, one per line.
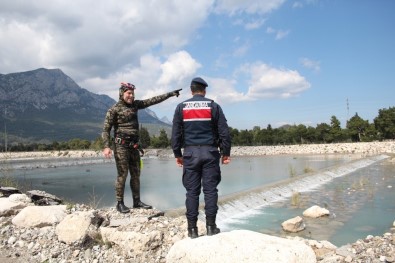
211 227
122 208
138 204
192 229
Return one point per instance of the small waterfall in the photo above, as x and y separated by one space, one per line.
239 205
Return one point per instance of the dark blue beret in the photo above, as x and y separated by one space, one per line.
199 81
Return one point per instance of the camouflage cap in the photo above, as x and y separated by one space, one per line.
126 86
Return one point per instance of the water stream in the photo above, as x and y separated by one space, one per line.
256 193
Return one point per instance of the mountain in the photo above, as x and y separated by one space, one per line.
166 120
45 105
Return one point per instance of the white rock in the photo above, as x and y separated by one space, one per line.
294 225
315 212
23 198
11 240
30 246
74 227
40 216
328 245
8 207
20 243
131 240
240 246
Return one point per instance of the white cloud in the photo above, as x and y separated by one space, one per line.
247 6
255 24
297 4
264 82
101 43
223 91
93 37
268 82
151 76
241 50
300 4
280 34
178 66
310 64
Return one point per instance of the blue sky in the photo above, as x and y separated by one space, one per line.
266 62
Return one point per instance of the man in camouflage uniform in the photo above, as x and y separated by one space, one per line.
122 118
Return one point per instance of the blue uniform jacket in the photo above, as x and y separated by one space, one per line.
200 121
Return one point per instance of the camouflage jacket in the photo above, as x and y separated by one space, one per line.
123 119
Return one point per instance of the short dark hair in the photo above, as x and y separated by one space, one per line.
195 87
198 85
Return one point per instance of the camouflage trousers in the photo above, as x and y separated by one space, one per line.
127 160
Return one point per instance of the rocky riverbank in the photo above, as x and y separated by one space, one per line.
361 148
78 233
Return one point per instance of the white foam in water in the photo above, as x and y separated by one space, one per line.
247 204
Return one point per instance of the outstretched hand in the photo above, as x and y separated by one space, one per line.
176 92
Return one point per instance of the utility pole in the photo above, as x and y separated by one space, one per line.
5 129
347 110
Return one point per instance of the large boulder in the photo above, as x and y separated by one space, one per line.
132 241
77 227
42 198
40 216
241 246
294 225
11 206
7 191
315 211
20 198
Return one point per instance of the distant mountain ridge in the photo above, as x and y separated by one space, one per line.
46 105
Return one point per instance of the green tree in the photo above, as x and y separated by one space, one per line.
97 144
279 136
370 133
357 127
385 123
55 145
234 134
322 132
311 135
161 141
335 132
268 135
265 136
246 138
145 140
256 135
78 144
301 132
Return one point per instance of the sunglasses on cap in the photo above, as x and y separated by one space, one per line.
126 86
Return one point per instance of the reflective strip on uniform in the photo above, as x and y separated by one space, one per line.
196 111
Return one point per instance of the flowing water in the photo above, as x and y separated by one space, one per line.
256 193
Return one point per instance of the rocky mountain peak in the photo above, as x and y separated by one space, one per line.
46 104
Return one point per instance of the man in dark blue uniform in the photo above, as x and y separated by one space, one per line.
200 127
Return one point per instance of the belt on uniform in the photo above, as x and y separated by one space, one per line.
129 143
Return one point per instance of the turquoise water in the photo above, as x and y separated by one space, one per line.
360 202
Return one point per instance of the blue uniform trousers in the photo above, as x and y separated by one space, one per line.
201 169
